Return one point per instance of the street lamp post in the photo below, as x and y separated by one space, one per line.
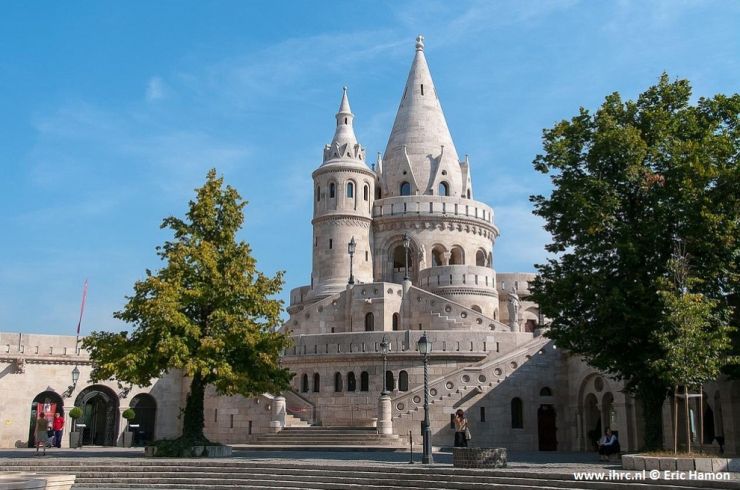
384 345
425 347
351 251
71 388
406 244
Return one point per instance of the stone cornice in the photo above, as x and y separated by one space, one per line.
429 221
344 220
455 290
340 167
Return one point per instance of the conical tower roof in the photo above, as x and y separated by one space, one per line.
344 145
420 139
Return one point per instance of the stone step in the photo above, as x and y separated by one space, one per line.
257 474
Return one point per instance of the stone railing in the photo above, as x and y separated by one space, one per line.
469 276
479 377
433 206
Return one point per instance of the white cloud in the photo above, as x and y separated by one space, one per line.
155 89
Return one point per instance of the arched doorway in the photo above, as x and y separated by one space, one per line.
547 428
145 408
49 402
99 406
591 421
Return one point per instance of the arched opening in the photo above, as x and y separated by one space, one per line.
316 382
390 382
490 260
545 391
366 192
338 382
100 415
608 415
438 257
403 381
457 256
480 258
405 189
48 403
517 414
318 193
591 422
468 195
351 382
546 428
332 190
396 321
350 189
444 189
369 322
145 408
364 381
399 260
304 383
476 308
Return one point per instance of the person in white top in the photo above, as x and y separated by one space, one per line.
608 445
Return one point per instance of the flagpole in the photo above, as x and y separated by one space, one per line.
79 322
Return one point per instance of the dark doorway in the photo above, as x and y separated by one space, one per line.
146 414
48 402
546 428
100 415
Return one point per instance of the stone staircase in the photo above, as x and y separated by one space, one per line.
327 439
480 378
295 422
231 474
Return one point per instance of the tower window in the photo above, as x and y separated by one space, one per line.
330 243
318 193
345 120
422 89
332 190
350 189
444 189
366 192
468 193
405 189
366 256
369 322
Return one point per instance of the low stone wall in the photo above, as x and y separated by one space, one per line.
197 451
479 457
668 463
28 481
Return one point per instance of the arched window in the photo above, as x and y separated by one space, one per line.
369 322
437 257
403 381
405 189
444 189
366 192
545 391
337 382
332 190
390 382
399 259
364 381
490 260
457 256
468 193
318 193
351 382
316 382
304 383
396 321
350 189
517 414
476 308
480 258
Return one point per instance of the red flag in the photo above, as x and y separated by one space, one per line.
82 307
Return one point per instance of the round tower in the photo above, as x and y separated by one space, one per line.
344 191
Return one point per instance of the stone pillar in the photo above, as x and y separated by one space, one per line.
385 423
278 413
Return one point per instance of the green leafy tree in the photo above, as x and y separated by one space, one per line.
627 180
207 312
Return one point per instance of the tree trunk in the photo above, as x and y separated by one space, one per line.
192 426
652 402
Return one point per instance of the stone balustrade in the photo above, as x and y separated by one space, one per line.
433 206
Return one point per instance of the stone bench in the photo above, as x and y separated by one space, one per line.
479 457
680 463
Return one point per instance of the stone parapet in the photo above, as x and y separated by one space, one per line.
479 457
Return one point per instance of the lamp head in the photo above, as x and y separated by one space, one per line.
75 375
384 345
406 240
351 246
424 345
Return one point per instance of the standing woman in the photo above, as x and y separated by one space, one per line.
462 431
42 426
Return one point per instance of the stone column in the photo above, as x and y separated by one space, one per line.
278 413
385 423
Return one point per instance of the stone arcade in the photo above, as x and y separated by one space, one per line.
422 262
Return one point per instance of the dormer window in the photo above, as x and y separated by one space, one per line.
405 189
350 189
444 189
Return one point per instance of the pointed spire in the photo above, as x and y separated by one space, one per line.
344 144
421 128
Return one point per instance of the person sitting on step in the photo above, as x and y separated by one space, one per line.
608 445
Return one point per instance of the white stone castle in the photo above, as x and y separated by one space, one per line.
400 248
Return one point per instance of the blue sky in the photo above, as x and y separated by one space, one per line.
112 113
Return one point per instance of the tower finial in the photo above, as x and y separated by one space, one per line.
420 43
